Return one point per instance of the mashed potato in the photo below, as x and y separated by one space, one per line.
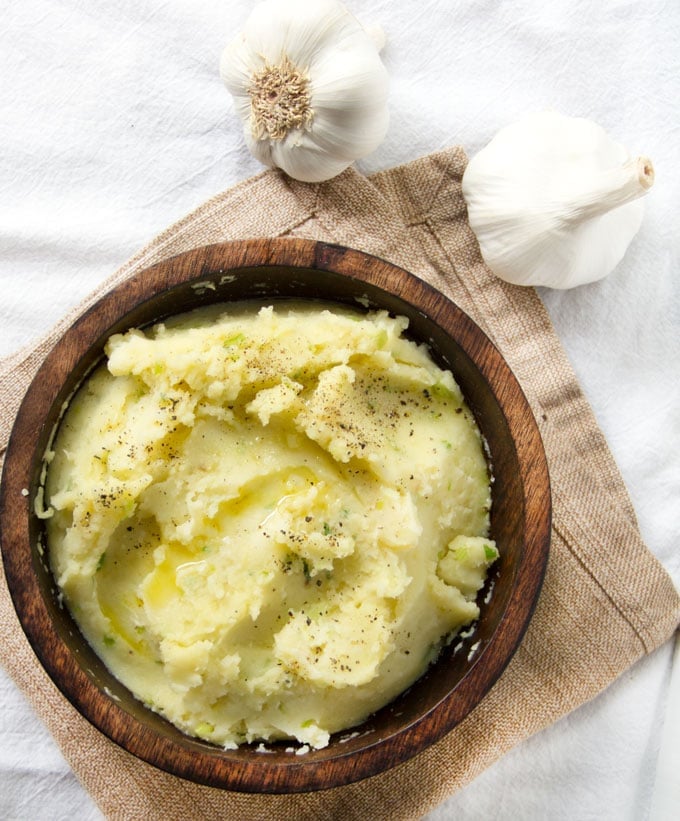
267 523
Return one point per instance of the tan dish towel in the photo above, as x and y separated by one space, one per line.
606 601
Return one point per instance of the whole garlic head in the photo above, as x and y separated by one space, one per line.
309 85
554 201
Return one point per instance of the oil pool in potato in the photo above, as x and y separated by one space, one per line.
267 523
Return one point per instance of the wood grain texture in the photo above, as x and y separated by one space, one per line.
272 270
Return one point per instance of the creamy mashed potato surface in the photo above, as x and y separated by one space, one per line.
268 523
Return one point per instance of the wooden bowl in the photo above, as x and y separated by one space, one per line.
264 270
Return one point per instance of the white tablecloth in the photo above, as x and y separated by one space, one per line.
114 123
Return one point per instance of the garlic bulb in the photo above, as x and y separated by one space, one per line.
554 201
309 84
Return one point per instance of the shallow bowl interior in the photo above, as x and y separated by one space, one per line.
269 270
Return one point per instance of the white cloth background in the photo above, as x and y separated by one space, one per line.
114 123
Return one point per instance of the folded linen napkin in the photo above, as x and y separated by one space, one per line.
606 600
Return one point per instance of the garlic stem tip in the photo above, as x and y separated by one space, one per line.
645 172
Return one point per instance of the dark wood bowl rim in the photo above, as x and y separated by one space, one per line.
193 760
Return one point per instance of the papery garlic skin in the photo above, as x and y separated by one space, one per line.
313 59
554 201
